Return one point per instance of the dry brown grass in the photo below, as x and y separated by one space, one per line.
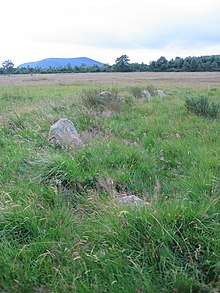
185 79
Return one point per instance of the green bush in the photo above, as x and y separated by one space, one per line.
202 106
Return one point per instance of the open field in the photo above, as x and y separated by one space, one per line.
60 227
185 79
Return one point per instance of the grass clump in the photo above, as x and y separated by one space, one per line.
18 227
136 91
151 89
91 98
102 100
202 106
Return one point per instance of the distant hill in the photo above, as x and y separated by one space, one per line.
61 62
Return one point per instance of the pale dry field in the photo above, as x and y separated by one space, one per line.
183 79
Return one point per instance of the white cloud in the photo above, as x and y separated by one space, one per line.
32 30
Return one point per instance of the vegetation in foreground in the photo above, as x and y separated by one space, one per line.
60 230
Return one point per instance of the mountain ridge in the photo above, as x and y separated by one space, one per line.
61 62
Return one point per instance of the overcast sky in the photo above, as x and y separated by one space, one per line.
103 30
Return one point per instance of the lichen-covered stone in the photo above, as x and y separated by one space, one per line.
146 94
64 134
160 93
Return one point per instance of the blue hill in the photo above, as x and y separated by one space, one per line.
61 62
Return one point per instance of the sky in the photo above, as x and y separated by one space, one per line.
144 30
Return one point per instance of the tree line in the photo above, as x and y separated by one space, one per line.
122 64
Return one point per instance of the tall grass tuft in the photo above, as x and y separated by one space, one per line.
202 106
100 100
92 99
136 91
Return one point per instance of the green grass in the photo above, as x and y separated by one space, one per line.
60 230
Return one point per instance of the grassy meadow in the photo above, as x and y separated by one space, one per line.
60 229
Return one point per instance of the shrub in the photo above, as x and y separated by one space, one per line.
202 106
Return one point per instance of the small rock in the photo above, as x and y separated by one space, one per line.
106 95
146 94
64 133
107 113
160 93
130 200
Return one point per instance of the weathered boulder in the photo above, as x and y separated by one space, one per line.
64 134
160 93
156 93
131 200
146 94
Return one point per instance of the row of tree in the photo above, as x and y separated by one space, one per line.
203 63
122 64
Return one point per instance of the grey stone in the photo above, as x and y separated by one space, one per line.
146 94
160 93
64 133
130 200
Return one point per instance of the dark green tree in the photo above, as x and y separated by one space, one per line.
8 66
186 64
214 66
179 63
106 68
161 64
122 64
194 64
152 66
207 66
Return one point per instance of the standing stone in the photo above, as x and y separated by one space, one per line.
160 93
146 94
64 134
